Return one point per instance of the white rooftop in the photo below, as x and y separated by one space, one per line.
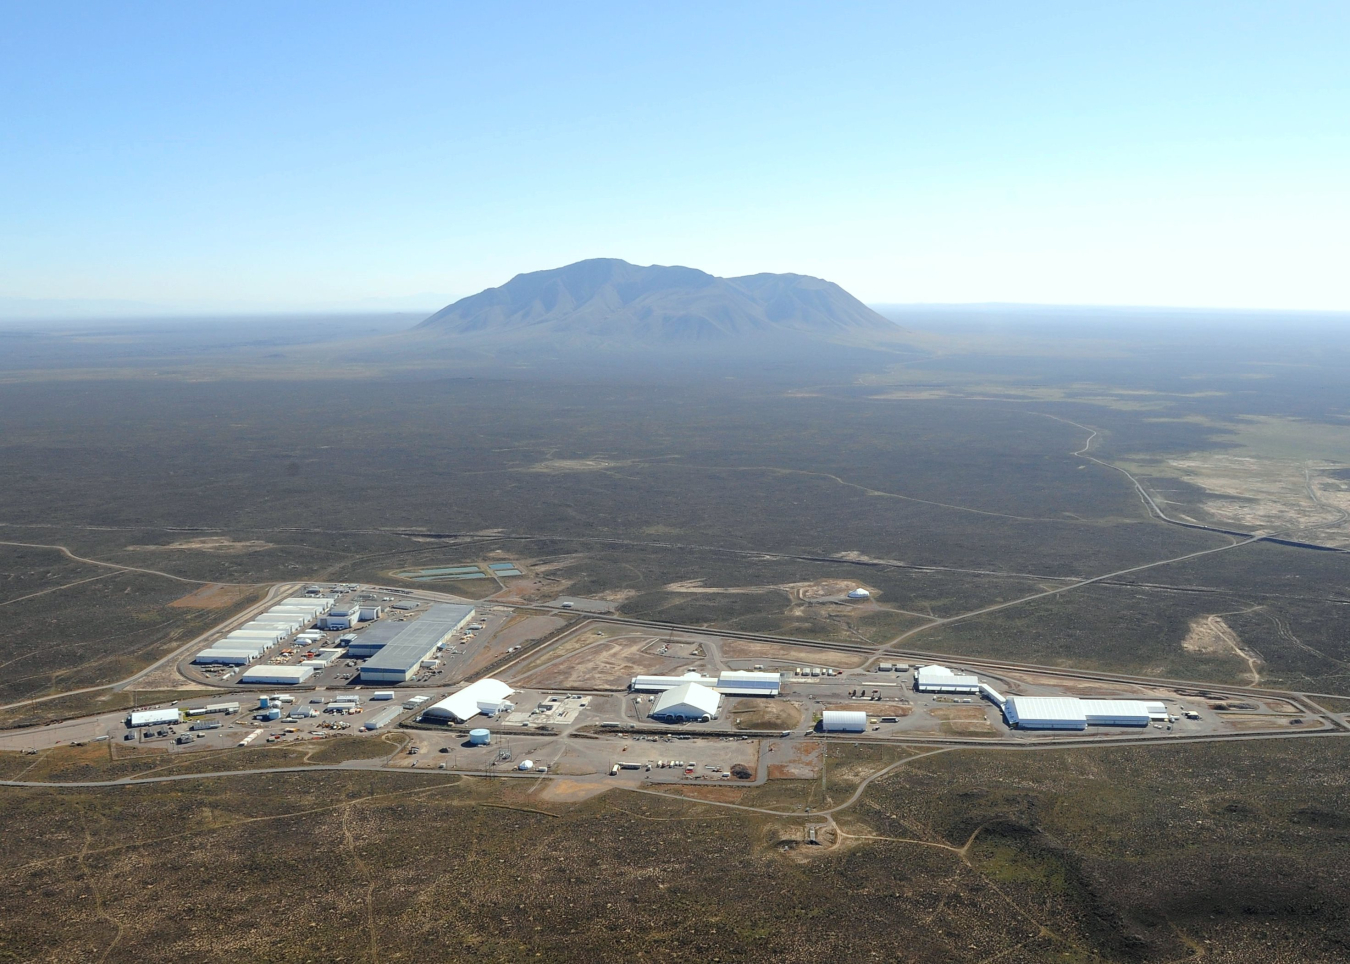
689 700
470 701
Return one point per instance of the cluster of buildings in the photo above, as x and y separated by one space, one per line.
394 651
346 615
253 639
699 698
1042 712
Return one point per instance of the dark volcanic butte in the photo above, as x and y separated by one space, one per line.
613 302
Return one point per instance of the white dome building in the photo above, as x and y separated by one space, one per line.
860 593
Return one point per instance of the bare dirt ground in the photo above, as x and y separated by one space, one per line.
796 761
820 590
211 597
962 720
1210 634
607 664
514 633
571 791
826 589
875 709
729 794
1082 688
1245 723
764 714
696 586
166 678
577 465
740 649
575 764
220 544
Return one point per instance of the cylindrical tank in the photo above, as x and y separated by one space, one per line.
264 702
274 713
480 737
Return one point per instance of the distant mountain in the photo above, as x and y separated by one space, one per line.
612 303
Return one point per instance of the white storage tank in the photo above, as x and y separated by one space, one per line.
860 593
480 737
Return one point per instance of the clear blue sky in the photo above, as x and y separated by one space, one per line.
275 155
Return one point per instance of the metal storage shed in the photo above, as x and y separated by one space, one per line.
843 721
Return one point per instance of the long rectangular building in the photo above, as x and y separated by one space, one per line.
226 657
1045 713
1072 713
153 717
659 684
400 657
739 683
282 675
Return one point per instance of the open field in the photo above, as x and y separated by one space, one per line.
947 485
763 714
606 663
740 649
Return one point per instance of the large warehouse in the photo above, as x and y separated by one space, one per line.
398 654
738 683
220 655
659 684
1072 713
939 679
282 675
688 701
485 696
729 683
1044 713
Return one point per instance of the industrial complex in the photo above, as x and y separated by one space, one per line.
578 694
279 647
396 651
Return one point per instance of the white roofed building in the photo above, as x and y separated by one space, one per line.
1045 713
843 721
1116 712
939 679
283 675
688 701
485 696
153 717
659 684
1072 713
740 683
228 657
